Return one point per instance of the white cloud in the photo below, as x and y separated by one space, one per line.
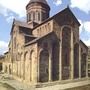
81 26
87 42
83 5
57 2
17 6
3 47
87 26
3 11
10 18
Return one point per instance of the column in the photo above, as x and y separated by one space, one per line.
79 62
60 57
50 64
71 66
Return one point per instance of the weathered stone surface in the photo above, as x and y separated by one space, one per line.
47 52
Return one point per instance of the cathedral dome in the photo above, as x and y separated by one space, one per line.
40 1
44 2
37 11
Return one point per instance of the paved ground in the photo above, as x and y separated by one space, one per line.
8 83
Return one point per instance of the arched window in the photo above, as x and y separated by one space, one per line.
76 60
83 64
29 17
66 44
34 16
44 66
38 16
43 16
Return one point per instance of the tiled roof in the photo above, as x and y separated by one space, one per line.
22 24
60 13
29 35
19 23
37 39
83 44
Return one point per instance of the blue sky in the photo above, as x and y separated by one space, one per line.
10 9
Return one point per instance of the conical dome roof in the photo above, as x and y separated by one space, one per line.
44 2
40 1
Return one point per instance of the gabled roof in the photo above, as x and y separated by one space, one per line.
22 24
61 12
84 44
19 23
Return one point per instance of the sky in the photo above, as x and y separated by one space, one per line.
10 9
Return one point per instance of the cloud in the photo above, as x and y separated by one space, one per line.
10 18
87 26
83 5
3 47
84 25
57 2
85 32
81 26
16 6
87 42
3 11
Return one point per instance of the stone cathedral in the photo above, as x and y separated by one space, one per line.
46 49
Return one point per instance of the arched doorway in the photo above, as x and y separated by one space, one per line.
18 64
44 66
27 67
9 69
55 61
76 60
66 45
22 64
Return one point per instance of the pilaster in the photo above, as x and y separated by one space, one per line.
72 50
79 62
60 57
50 65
